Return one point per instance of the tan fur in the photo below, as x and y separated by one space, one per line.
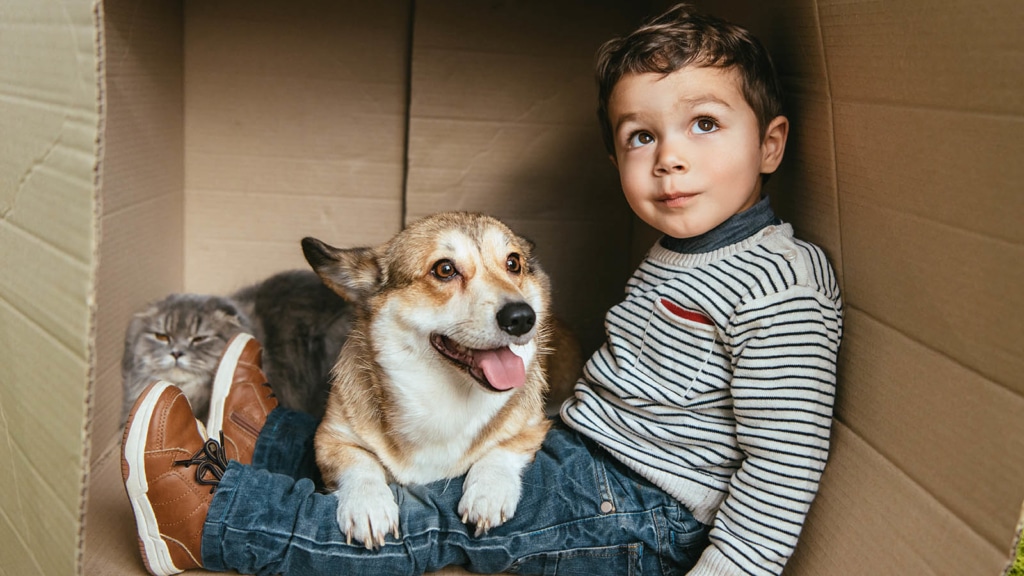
563 364
374 416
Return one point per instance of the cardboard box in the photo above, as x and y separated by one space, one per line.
160 146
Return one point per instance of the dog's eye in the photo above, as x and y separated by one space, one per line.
514 264
444 269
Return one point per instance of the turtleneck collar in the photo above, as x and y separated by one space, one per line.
737 228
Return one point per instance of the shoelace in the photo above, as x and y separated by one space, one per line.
210 461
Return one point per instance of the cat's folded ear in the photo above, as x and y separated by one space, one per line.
136 325
353 273
227 312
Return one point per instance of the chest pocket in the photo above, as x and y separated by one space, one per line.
678 348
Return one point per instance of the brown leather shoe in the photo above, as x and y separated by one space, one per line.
162 441
241 398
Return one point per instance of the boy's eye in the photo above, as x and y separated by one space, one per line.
705 125
640 139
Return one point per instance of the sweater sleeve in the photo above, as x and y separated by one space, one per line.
784 348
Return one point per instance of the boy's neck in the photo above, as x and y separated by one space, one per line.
737 228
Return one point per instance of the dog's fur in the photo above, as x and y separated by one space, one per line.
400 408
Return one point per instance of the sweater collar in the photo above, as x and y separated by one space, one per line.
737 228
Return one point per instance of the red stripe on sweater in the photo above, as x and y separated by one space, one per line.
690 315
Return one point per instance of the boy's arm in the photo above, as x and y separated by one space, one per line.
784 349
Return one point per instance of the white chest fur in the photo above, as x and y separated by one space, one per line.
439 421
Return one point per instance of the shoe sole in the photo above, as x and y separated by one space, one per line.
155 552
222 383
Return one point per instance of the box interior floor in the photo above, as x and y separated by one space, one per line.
162 146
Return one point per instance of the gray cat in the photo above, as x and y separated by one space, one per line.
179 339
300 323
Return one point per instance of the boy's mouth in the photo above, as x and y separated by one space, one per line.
677 199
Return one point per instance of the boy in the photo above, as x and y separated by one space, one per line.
696 438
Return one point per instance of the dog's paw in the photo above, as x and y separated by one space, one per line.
367 512
489 497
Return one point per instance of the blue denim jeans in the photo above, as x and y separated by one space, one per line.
580 513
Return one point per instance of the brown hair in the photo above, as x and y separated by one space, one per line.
681 37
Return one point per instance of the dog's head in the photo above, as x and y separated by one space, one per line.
459 285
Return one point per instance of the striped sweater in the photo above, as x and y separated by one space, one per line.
717 383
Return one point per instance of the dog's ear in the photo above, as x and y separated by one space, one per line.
353 273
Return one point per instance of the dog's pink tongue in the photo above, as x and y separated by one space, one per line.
503 369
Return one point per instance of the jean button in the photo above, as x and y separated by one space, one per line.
607 507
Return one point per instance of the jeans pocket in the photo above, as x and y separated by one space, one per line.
687 540
623 559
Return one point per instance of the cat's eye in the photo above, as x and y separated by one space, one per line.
160 336
200 339
444 270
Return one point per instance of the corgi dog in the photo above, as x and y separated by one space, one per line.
443 372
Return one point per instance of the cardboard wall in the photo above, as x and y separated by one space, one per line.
159 146
142 210
49 129
295 126
927 113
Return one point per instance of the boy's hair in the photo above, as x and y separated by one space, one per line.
681 37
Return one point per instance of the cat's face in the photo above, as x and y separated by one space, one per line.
182 337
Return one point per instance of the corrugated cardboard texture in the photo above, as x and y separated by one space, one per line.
928 114
48 160
502 120
295 125
871 519
142 217
940 422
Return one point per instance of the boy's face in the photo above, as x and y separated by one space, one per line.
688 148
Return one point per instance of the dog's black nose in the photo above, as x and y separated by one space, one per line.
516 318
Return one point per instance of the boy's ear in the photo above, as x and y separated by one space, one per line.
774 144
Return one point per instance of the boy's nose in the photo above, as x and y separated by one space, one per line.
670 161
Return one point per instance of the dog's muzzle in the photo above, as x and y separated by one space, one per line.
497 369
